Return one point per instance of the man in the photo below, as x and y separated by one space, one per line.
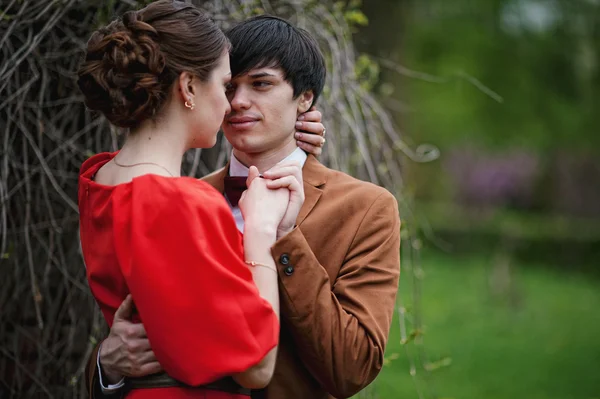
338 268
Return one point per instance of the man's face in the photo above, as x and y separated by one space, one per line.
263 111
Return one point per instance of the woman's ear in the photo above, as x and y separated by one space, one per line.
306 101
186 87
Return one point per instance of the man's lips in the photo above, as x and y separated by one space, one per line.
242 122
242 119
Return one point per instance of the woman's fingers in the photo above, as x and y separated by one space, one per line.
311 143
311 134
310 127
313 139
312 115
310 148
252 174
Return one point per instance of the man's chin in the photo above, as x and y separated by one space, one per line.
245 144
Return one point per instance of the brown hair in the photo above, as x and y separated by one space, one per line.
131 63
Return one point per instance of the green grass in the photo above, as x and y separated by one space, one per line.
537 337
510 223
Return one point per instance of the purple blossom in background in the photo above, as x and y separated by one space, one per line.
484 179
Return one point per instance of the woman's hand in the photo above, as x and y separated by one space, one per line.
287 175
310 134
263 208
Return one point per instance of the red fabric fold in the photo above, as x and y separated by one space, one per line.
173 244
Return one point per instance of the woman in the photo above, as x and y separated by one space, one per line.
209 302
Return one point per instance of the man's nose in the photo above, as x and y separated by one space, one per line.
239 99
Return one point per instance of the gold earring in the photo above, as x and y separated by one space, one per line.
190 106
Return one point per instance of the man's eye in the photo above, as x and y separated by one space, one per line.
229 87
261 84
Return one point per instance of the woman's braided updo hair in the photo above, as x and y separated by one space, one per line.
131 63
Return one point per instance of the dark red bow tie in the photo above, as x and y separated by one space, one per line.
234 187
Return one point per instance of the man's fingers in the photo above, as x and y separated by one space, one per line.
289 182
311 149
128 331
139 345
286 164
125 309
149 368
148 357
281 171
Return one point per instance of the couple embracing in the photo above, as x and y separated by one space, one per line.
274 277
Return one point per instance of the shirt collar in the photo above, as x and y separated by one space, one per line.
236 168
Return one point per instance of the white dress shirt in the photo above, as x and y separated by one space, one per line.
236 168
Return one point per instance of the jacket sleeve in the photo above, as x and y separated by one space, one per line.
341 328
91 372
92 380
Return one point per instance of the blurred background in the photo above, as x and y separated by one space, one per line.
506 287
480 116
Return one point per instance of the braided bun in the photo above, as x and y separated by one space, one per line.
131 63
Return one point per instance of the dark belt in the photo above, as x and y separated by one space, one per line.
162 380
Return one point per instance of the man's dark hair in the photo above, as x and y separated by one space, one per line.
268 41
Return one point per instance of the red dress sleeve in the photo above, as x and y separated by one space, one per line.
182 258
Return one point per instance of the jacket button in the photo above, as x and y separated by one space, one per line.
284 259
288 270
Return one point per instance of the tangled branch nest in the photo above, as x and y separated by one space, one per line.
49 322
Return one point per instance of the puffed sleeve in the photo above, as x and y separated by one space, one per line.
182 258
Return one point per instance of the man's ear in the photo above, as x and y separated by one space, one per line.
306 101
186 87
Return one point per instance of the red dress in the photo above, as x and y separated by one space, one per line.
173 244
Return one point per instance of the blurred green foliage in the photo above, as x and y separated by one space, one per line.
541 57
497 80
502 82
533 336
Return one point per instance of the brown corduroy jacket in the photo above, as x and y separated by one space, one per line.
338 276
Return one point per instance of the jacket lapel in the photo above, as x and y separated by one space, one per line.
314 175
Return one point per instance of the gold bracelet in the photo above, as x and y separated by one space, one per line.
253 264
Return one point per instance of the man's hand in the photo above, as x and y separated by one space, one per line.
126 351
287 175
